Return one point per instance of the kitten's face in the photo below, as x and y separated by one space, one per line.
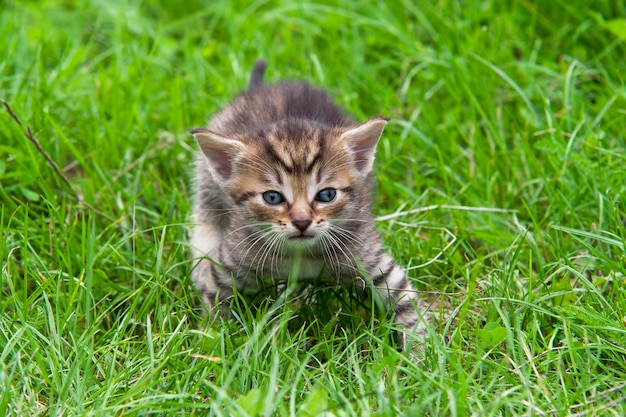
296 191
294 182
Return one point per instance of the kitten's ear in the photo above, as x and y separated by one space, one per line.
362 142
219 150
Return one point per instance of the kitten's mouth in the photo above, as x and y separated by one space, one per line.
301 238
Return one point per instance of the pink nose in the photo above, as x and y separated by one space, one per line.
301 224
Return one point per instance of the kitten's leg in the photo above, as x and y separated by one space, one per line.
205 241
216 297
391 283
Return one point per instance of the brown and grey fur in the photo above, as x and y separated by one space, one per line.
291 138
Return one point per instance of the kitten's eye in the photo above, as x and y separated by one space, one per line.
326 195
273 197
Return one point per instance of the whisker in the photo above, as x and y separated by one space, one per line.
259 224
244 256
258 233
330 250
267 251
274 261
349 235
333 240
260 253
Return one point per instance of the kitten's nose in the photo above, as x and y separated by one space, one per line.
301 224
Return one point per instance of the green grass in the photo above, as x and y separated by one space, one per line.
513 105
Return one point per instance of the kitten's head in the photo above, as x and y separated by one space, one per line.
295 180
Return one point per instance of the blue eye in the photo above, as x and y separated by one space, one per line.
326 195
273 197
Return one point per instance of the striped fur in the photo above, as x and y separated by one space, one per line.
290 138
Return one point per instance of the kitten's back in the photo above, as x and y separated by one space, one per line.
264 104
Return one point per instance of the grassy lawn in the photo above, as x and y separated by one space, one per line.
501 186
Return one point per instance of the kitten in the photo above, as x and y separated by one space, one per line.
284 175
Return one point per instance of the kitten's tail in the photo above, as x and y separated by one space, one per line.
256 77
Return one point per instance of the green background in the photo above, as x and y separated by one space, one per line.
508 129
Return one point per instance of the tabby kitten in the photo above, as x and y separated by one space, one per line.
284 174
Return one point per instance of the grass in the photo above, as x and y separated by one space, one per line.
512 105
